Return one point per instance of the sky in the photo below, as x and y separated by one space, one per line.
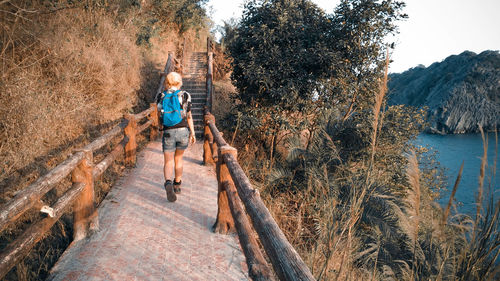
434 30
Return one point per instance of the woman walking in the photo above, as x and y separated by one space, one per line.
178 132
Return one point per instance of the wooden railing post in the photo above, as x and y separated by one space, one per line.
85 214
130 132
224 223
154 126
208 142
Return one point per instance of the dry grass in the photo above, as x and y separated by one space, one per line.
452 196
74 72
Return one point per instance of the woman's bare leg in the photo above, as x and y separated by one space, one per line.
178 164
168 164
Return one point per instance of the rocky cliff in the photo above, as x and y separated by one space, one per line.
461 92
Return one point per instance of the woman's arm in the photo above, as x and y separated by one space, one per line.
192 137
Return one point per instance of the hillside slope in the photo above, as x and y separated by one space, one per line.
461 92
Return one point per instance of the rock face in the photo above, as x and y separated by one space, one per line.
461 93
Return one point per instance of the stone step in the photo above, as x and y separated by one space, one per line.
194 83
197 96
199 89
195 89
198 101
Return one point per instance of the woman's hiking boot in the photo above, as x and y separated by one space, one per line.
169 188
177 187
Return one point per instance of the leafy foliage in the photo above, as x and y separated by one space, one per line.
289 53
360 28
291 61
280 52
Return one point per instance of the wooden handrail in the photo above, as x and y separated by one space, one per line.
81 194
219 140
20 247
144 126
285 260
106 138
100 168
168 67
258 269
143 114
182 54
209 80
28 197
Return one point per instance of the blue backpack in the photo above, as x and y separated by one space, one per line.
171 109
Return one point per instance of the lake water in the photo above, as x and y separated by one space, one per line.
452 150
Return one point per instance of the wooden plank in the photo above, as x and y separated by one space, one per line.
106 162
18 249
26 198
258 269
286 262
143 114
168 66
209 80
104 139
182 54
144 126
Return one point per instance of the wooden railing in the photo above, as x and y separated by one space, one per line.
172 64
209 79
235 188
81 194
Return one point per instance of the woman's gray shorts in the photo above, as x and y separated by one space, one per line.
173 139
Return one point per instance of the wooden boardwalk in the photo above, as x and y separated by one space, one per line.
142 236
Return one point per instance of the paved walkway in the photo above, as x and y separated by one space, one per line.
145 237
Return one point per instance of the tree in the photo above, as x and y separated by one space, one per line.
280 51
280 54
360 28
291 61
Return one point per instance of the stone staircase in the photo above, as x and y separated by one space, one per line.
194 82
